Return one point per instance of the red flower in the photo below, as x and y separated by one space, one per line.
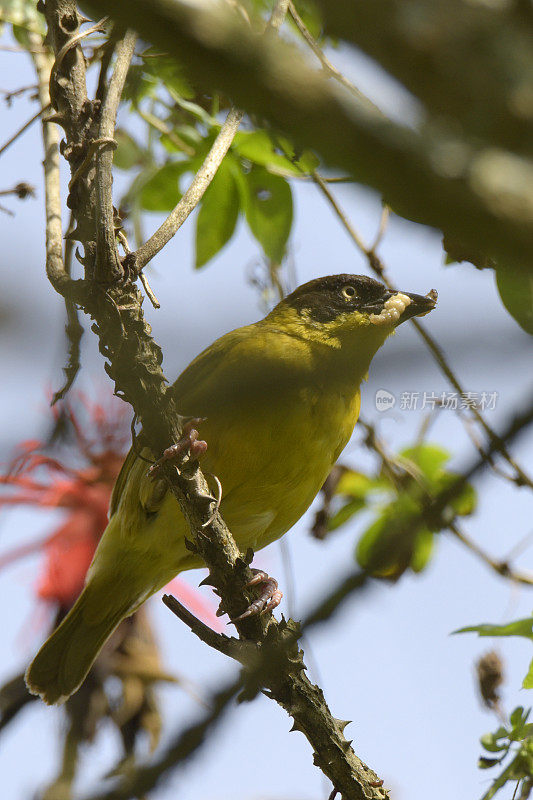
84 491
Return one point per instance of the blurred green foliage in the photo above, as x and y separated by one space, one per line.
399 536
513 744
516 292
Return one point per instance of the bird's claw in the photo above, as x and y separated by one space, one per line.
190 446
269 598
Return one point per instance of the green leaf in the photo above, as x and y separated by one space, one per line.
422 550
517 716
389 545
355 484
188 133
527 683
165 69
429 458
345 513
218 214
160 192
521 627
128 152
516 291
259 148
268 208
138 85
490 741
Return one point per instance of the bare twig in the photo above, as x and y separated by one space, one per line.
107 55
382 227
193 195
327 66
55 268
21 190
522 478
10 95
228 645
162 127
108 267
73 329
502 567
24 127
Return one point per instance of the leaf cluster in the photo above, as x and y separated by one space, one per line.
181 126
512 745
398 535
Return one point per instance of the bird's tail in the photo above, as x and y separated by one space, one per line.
66 657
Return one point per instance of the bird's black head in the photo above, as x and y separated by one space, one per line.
356 301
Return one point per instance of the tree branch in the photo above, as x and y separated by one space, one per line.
108 267
454 75
205 174
55 267
327 66
73 329
501 567
23 128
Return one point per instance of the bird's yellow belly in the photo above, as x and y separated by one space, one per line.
271 461
271 467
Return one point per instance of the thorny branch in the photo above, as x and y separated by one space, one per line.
108 268
134 364
73 329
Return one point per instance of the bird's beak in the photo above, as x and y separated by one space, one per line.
419 305
393 308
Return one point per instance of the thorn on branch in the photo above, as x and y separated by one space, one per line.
74 331
93 147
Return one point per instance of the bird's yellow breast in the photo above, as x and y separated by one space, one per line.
278 414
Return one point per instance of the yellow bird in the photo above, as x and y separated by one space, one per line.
280 400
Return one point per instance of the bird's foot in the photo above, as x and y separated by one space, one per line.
269 598
190 446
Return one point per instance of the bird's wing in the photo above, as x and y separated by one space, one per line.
122 480
197 391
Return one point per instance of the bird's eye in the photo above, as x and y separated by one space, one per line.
349 292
